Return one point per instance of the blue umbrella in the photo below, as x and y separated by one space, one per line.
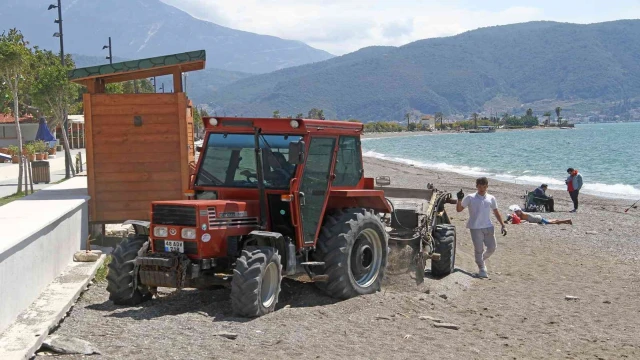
43 132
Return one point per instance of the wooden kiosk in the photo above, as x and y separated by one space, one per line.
139 146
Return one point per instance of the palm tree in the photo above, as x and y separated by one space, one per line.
276 114
475 120
408 117
558 110
529 112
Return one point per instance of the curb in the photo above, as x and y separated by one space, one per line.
25 336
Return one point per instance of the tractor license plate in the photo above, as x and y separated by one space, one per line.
171 246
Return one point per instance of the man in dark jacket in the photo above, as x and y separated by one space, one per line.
541 194
574 184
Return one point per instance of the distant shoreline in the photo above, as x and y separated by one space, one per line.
381 135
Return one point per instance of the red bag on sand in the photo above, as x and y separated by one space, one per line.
515 219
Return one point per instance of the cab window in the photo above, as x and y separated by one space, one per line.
348 168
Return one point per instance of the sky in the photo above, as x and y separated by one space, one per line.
343 26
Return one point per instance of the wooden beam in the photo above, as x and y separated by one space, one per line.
184 141
177 82
91 177
91 85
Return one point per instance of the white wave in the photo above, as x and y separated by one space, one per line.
619 191
464 170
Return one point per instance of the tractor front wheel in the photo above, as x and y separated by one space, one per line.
256 282
445 245
121 284
353 246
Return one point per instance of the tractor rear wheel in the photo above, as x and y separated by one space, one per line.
256 282
445 245
120 279
353 246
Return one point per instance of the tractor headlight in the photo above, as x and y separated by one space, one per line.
294 124
213 122
188 233
160 231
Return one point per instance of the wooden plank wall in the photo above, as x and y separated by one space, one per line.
129 166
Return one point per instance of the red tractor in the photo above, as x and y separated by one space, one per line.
273 198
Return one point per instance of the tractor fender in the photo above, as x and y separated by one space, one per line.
284 247
140 226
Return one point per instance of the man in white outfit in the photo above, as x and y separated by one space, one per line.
480 205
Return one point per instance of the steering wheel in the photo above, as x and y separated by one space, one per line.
248 174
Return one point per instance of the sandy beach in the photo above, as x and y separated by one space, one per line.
521 312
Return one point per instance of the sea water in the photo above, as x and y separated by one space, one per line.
607 156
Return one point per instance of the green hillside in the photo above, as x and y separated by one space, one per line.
528 62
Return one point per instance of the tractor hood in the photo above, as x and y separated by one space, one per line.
204 226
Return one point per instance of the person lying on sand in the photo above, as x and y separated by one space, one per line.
537 219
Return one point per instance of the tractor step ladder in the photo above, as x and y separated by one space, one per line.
312 263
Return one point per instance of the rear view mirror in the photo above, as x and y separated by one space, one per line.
383 181
296 152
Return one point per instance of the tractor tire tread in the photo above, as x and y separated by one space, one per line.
120 279
247 281
338 233
445 245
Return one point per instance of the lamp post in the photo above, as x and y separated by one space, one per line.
65 121
110 57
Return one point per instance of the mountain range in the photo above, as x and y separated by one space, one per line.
147 28
478 70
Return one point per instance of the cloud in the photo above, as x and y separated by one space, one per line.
342 26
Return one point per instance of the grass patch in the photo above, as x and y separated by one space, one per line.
17 196
103 270
7 199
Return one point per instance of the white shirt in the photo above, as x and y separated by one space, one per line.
479 210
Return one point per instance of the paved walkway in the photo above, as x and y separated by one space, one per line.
9 173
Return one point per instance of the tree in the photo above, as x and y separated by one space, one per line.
198 124
51 91
530 121
475 120
408 117
299 116
128 87
558 110
276 114
529 112
316 114
15 58
144 87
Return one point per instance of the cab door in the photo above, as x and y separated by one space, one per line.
314 187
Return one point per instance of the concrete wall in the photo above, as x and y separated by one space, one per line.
38 238
29 132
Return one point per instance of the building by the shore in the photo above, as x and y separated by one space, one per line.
8 131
